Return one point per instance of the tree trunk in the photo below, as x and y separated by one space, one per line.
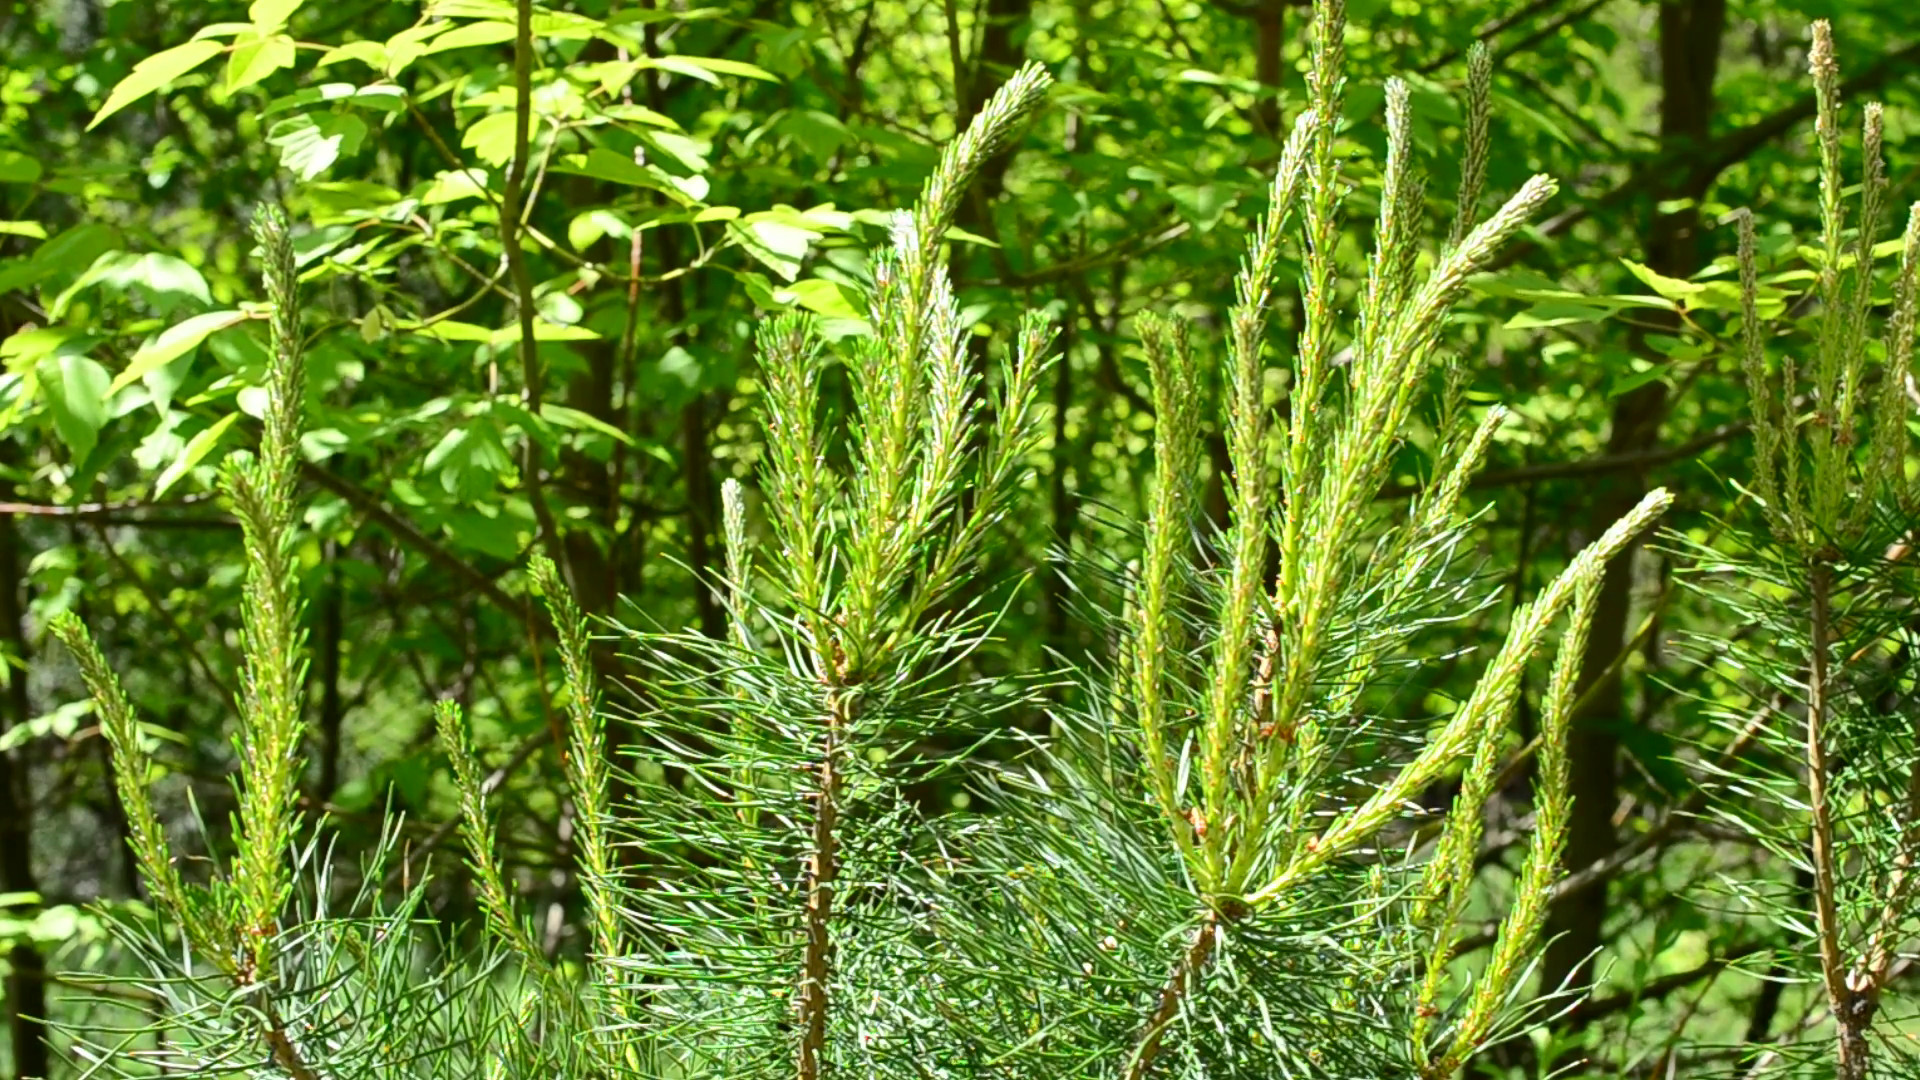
27 985
1690 38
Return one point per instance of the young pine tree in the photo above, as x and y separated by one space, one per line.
251 970
1821 563
1212 873
1209 871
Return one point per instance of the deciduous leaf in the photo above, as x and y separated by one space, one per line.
1557 313
821 296
157 274
563 416
371 53
705 68
471 34
153 73
18 168
172 343
255 59
491 138
76 393
1672 288
778 247
193 453
311 142
270 16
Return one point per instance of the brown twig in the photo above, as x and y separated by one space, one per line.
1840 998
822 869
1186 975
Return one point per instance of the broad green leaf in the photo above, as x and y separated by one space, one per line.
226 30
311 142
1509 105
565 25
705 68
371 53
585 230
1672 288
689 154
383 96
32 230
75 388
821 133
1202 204
957 233
172 343
1628 383
410 44
155 72
447 330
604 164
1557 313
494 535
157 274
563 416
639 114
18 168
256 59
479 33
821 296
491 138
470 9
451 186
61 723
543 331
25 348
192 454
271 15
780 248
348 200
643 15
471 460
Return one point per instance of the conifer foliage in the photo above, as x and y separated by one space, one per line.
1819 558
1208 869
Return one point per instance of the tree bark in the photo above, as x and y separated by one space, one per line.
1690 38
27 985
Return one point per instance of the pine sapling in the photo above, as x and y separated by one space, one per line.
1826 571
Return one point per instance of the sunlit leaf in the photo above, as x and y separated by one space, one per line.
193 453
76 388
155 72
311 142
172 343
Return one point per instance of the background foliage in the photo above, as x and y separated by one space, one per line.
696 170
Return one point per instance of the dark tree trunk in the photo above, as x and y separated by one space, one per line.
27 985
1690 38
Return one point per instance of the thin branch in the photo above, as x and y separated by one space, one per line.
1840 998
93 509
409 535
1173 996
1563 470
511 209
1702 165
